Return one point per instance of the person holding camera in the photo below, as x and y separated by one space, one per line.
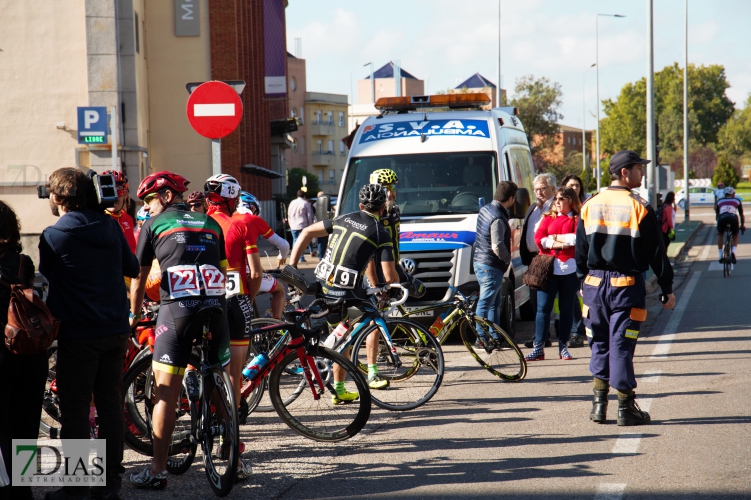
84 257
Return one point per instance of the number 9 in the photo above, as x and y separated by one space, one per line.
344 278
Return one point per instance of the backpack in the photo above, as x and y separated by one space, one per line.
658 214
31 328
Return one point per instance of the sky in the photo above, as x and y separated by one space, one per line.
444 42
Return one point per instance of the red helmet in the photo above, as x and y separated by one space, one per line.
196 197
162 180
121 180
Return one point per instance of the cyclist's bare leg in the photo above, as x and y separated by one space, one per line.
236 362
339 372
168 387
277 301
371 344
735 240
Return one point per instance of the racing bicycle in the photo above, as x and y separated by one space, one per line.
727 252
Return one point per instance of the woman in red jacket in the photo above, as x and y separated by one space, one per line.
556 236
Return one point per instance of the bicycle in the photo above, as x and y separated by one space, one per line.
503 359
727 252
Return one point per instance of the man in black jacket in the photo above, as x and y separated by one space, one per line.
84 256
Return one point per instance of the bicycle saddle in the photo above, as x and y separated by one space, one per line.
210 311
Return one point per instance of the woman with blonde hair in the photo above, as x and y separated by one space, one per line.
556 236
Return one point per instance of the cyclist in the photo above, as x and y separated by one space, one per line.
719 193
186 245
249 204
119 211
141 217
354 240
727 211
197 202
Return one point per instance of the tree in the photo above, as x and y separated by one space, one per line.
725 173
735 135
294 183
538 101
702 162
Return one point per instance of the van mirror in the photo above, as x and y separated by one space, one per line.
522 203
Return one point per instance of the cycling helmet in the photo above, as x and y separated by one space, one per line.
224 185
720 185
196 197
383 176
143 214
249 202
162 180
729 191
372 196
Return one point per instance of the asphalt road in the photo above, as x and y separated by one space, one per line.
482 438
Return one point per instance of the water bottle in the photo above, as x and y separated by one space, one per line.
480 202
191 386
337 335
437 325
255 365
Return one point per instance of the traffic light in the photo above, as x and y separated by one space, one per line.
658 147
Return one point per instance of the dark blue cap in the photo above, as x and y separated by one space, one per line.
625 158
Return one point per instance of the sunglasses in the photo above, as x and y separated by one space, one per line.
150 197
562 199
390 187
195 205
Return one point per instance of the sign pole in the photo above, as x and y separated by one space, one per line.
216 156
115 123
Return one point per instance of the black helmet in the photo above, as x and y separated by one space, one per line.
373 196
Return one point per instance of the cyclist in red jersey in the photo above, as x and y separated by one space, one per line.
119 212
197 202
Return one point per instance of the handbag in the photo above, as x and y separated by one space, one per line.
539 272
31 328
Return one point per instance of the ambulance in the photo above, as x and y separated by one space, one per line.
449 155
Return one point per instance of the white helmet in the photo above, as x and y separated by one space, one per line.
224 185
729 191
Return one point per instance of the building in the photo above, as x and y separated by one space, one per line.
297 156
135 58
478 83
568 140
383 84
326 118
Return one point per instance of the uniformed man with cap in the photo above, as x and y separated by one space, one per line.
617 239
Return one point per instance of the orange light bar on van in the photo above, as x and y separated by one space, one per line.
406 103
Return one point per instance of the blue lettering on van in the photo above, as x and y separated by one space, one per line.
395 130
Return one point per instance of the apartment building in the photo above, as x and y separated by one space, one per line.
478 83
326 120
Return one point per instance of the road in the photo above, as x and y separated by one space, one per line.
482 438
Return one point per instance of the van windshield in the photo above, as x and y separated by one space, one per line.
429 183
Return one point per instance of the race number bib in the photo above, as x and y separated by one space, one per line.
323 270
344 277
213 280
728 209
232 286
183 281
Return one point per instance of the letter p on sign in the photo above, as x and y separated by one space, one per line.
90 116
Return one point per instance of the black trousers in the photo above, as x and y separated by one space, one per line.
93 366
22 380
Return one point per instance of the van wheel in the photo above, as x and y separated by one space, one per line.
526 311
508 315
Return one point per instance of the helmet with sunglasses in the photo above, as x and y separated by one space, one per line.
224 185
373 196
383 176
196 197
162 180
250 202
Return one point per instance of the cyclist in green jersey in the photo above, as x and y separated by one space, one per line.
355 239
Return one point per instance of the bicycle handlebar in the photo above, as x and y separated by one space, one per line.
379 289
324 309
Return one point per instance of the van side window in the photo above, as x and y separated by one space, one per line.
521 167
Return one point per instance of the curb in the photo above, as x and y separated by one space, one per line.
651 283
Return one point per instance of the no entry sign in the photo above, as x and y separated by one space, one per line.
214 109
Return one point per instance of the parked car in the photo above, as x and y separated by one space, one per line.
697 196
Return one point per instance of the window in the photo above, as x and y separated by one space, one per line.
293 83
318 116
293 113
332 176
302 115
331 147
320 176
302 146
341 148
294 146
320 146
330 115
138 41
568 139
341 118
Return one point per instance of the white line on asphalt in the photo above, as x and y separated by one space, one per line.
214 109
629 443
610 491
650 376
663 345
707 246
715 266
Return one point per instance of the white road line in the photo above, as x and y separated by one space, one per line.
214 109
610 491
707 246
663 345
629 443
716 266
650 376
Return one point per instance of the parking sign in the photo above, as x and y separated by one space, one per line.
92 125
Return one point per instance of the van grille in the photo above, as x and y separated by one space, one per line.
436 270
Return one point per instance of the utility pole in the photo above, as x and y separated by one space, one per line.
651 152
498 88
687 205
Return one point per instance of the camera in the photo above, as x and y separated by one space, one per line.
101 191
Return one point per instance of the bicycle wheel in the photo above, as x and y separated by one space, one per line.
506 363
49 424
139 398
727 255
319 417
262 342
220 436
420 373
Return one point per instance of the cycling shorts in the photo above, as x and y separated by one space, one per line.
239 315
176 329
268 284
728 220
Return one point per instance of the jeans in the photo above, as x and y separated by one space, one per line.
86 366
322 244
296 234
489 303
565 286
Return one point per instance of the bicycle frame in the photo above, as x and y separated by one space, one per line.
449 322
371 314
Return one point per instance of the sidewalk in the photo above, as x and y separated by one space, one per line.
684 235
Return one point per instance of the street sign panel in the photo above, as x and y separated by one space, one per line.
214 109
92 125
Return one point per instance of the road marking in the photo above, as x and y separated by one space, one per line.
214 109
663 345
707 246
716 266
629 443
650 376
610 491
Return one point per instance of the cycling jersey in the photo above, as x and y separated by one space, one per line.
355 239
728 210
125 222
391 220
260 226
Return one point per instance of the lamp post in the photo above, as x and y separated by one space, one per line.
686 217
351 87
584 129
597 63
498 89
372 82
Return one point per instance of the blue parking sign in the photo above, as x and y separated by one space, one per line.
92 125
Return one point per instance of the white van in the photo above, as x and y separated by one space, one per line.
449 163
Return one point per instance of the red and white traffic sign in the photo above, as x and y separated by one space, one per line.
214 109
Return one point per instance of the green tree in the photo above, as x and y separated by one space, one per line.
735 135
538 101
725 173
294 183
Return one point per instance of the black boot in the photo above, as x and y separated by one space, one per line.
629 412
599 407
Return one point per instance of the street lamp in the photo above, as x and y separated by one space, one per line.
584 128
351 87
597 63
372 82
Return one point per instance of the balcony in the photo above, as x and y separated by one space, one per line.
323 158
322 128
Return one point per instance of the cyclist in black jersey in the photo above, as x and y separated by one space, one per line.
189 247
355 239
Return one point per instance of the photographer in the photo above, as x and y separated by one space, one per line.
84 256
